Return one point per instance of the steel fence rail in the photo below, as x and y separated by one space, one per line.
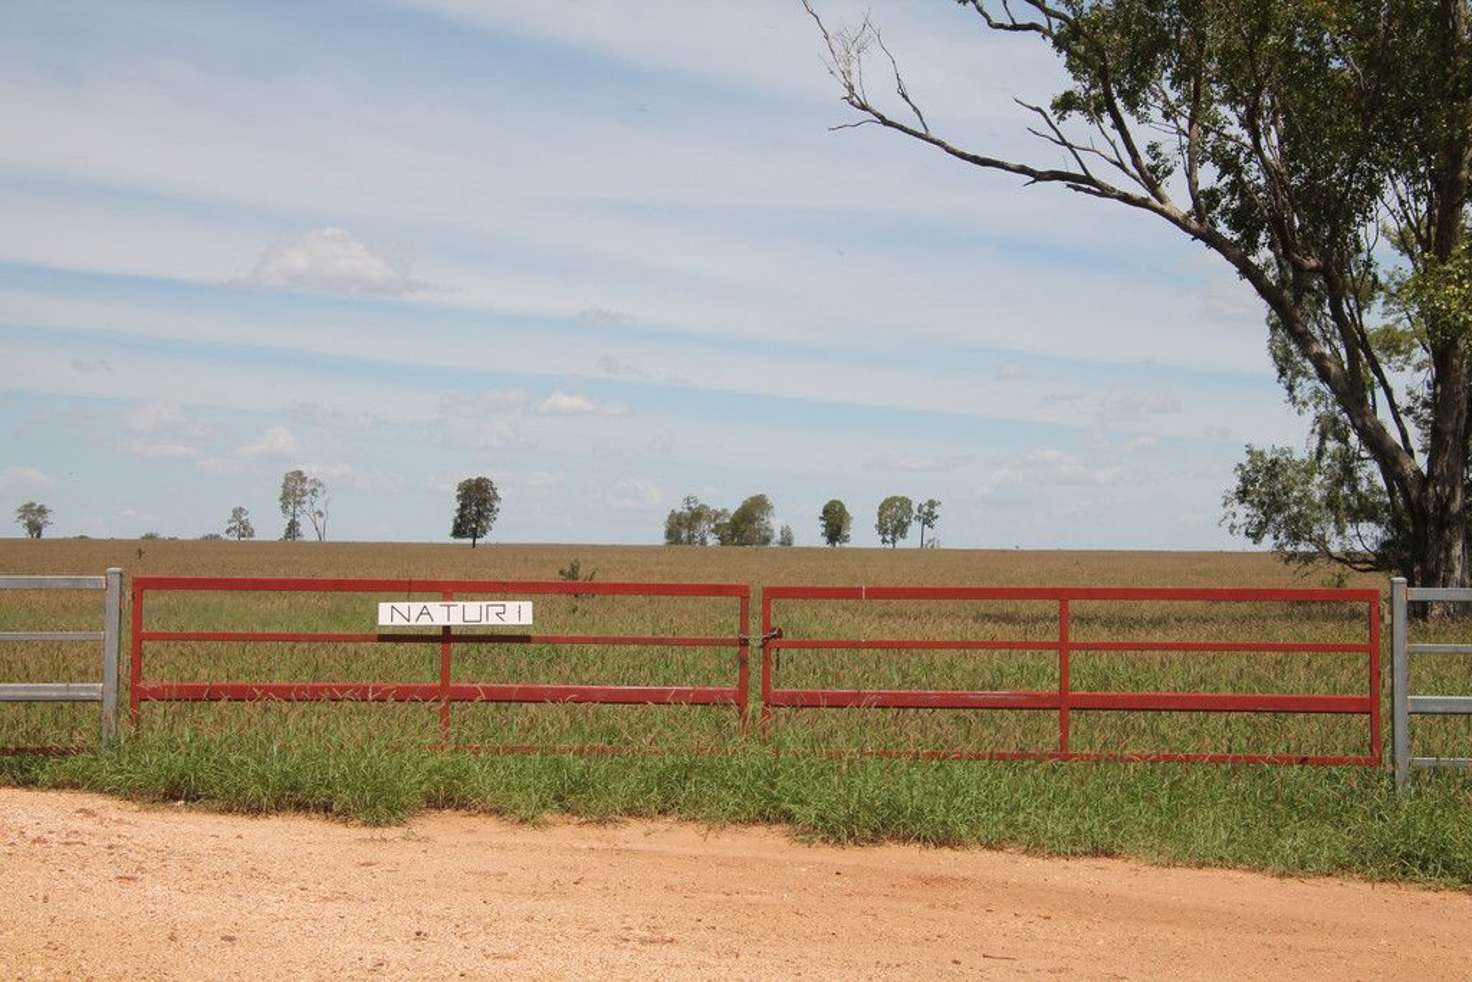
1403 703
444 691
1065 699
105 691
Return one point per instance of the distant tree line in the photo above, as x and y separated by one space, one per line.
305 498
478 505
695 523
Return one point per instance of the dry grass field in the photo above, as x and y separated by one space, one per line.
371 761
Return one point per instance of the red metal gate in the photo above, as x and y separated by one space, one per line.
444 691
1065 698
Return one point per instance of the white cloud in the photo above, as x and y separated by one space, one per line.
163 417
164 432
276 442
561 403
1141 443
342 474
489 420
634 493
17 478
335 418
1051 467
331 260
1009 373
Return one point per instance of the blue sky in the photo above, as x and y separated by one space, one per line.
608 254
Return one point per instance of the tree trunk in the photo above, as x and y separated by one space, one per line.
1442 520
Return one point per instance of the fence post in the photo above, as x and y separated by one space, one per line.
112 614
1400 687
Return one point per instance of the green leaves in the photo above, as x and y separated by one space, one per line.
477 503
835 522
896 515
1327 504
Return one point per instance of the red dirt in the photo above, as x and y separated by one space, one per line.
100 888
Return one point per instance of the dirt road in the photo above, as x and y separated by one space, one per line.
94 887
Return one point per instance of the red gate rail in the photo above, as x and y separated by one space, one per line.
1065 698
445 692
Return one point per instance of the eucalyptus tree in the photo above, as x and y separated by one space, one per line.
477 503
239 526
690 524
293 502
895 516
33 517
927 514
835 522
1323 152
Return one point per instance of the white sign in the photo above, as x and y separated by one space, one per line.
455 613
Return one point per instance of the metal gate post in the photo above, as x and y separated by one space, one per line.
112 615
1400 684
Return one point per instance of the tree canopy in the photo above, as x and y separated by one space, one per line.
239 525
34 518
927 513
477 503
896 515
689 525
1323 151
749 525
293 503
835 522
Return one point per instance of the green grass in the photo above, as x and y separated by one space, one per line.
1289 820
369 763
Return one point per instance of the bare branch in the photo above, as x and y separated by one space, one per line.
1055 136
899 82
1284 290
1051 18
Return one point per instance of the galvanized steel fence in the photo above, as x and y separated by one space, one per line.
104 691
1404 704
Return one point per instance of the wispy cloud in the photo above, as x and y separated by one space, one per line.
165 431
277 442
1049 467
635 493
331 260
561 403
18 477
